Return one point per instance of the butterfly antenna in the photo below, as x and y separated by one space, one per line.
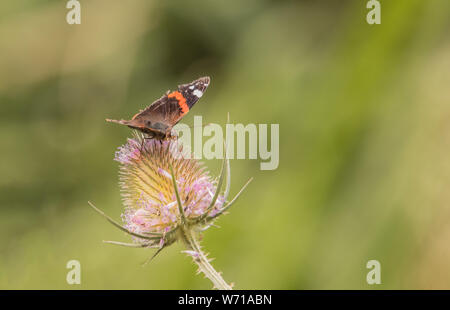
121 122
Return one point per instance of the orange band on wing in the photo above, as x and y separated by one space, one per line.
181 101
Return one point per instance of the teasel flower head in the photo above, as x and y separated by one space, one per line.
149 194
168 196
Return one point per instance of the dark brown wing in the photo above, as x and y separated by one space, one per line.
162 114
173 106
193 91
168 110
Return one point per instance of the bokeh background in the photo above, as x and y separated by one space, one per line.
364 114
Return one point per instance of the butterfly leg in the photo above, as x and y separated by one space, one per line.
143 141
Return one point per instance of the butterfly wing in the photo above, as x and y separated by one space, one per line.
193 91
173 106
155 118
161 114
168 110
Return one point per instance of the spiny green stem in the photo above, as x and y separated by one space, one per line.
202 261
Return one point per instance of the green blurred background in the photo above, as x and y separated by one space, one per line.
364 114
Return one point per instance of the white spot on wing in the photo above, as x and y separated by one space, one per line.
197 93
191 87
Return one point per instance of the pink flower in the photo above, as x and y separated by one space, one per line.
148 192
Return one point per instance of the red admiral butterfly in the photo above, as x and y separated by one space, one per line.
158 119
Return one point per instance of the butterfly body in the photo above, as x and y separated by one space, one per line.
158 119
